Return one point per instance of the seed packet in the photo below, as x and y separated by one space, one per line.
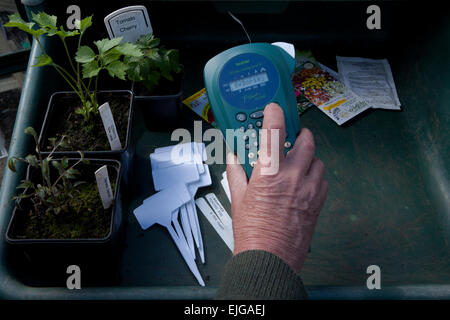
324 91
199 103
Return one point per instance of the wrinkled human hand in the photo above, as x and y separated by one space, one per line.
278 212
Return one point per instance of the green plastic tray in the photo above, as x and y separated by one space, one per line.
388 173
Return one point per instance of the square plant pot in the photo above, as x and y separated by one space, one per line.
161 109
60 119
91 239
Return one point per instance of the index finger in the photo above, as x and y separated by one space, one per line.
272 136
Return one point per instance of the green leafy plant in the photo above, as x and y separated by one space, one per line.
155 62
84 80
51 195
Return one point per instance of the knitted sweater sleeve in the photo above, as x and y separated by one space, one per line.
257 274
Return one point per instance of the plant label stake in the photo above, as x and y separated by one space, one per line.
129 23
104 186
223 230
110 126
162 208
183 163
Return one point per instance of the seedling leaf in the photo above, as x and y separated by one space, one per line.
84 54
83 24
43 60
107 44
117 68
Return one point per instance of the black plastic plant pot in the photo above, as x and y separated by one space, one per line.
47 259
161 109
61 116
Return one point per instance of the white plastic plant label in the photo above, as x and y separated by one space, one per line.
110 126
371 79
129 23
225 186
225 233
220 211
104 186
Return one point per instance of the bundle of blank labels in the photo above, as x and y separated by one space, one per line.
178 171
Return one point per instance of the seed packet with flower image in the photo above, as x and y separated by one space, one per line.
199 103
324 91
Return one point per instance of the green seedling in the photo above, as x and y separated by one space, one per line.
84 69
154 63
50 195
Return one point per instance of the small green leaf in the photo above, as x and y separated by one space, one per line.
21 196
71 173
63 143
12 164
153 78
52 141
32 160
117 69
25 184
133 71
56 164
129 49
80 111
107 44
148 41
83 24
16 21
76 184
64 34
44 20
110 56
46 170
84 54
65 162
41 193
91 69
153 55
30 131
43 60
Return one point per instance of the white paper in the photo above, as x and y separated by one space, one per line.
104 186
110 126
371 79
